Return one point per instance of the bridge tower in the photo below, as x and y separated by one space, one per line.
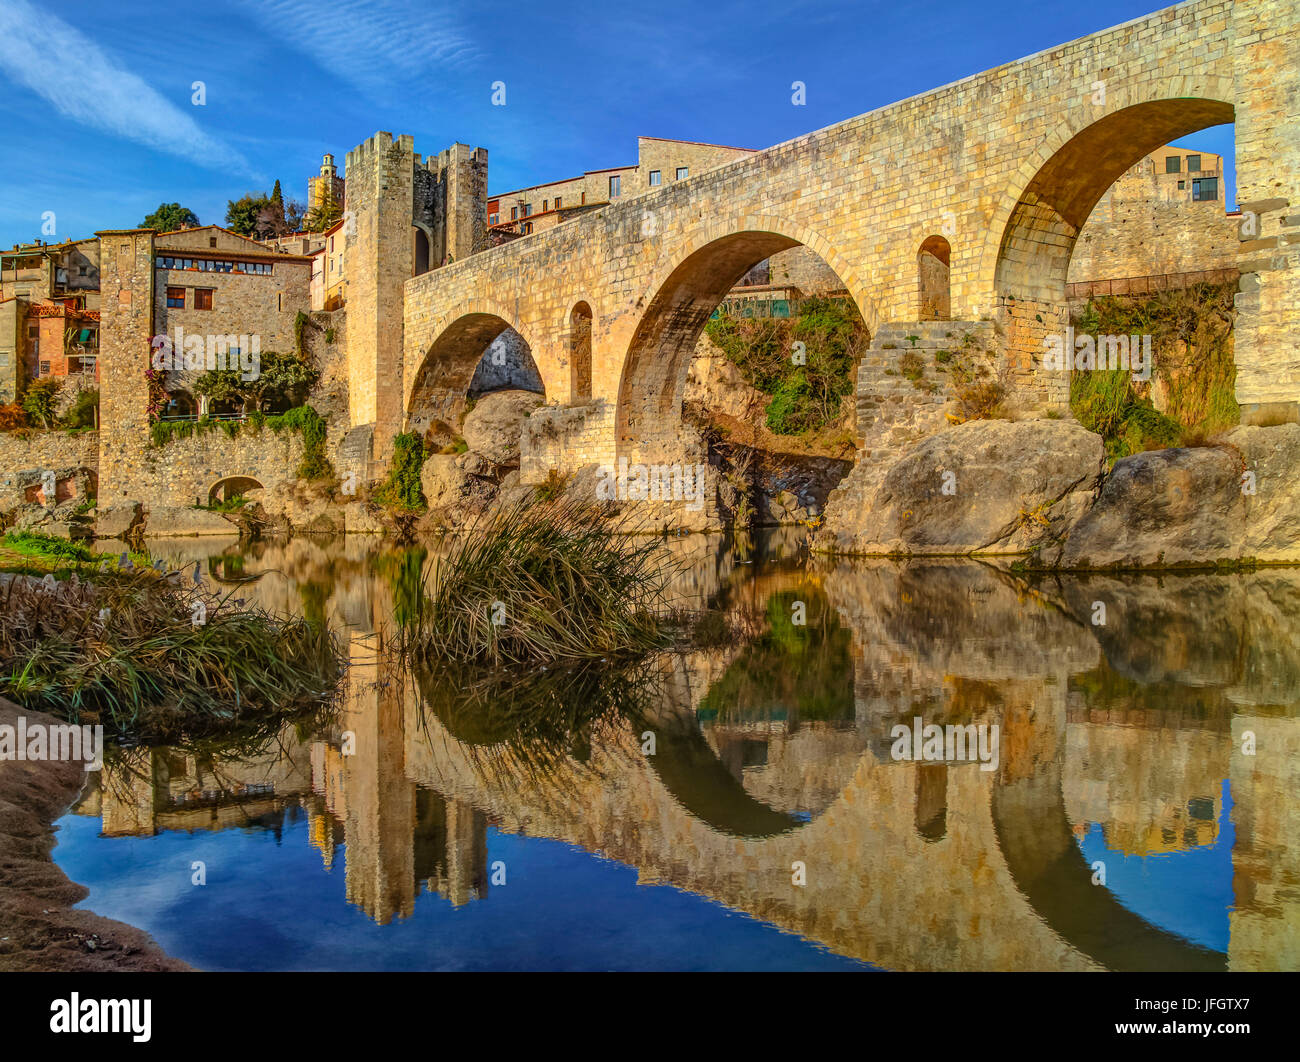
405 216
380 258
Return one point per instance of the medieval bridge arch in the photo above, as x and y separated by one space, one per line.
1005 165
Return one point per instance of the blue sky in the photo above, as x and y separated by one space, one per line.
97 122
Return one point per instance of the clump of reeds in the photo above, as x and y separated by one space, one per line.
535 584
153 656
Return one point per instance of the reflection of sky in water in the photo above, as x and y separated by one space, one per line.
1188 893
270 906
768 734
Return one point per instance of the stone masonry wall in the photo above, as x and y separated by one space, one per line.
242 305
667 156
564 439
1136 231
803 269
185 470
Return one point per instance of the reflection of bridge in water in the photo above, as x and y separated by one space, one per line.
910 866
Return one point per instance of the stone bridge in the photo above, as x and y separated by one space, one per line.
1004 167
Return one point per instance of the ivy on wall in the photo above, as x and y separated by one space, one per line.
315 463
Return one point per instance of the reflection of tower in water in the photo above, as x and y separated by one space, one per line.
450 846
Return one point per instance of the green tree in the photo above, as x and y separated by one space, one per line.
169 217
271 220
81 414
244 215
283 379
38 400
220 385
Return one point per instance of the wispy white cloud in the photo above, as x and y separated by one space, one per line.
371 43
82 82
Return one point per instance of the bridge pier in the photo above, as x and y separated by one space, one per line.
1267 330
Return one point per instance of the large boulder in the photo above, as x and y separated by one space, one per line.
989 486
360 518
117 521
493 427
1272 530
1234 501
166 520
457 488
70 530
1162 508
442 479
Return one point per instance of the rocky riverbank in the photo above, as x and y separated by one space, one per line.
1040 490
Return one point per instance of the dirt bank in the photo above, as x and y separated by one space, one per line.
39 930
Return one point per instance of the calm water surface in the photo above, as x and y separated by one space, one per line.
1143 812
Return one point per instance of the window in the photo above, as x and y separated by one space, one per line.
1173 164
615 187
45 368
557 202
683 172
203 298
81 271
528 228
514 213
655 178
584 198
528 210
212 241
546 205
1193 163
176 298
1205 188
331 245
493 219
1182 185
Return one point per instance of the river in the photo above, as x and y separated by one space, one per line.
1127 798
